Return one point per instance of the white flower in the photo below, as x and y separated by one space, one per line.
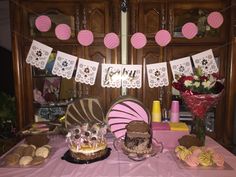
195 77
196 84
212 80
208 28
188 83
206 84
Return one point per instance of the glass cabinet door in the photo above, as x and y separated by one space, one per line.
59 13
52 93
197 13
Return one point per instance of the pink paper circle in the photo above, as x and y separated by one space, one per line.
63 31
111 40
215 19
85 37
43 23
163 37
189 30
138 40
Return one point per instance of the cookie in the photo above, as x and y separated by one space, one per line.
37 160
25 160
29 151
12 159
42 151
205 159
20 150
48 146
188 141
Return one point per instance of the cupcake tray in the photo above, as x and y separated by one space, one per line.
182 165
3 163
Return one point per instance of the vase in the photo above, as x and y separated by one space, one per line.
199 129
199 105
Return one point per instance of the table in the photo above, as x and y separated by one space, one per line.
118 165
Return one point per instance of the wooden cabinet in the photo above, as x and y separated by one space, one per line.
103 16
151 16
100 17
147 17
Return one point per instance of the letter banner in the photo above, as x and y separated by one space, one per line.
181 66
157 75
86 71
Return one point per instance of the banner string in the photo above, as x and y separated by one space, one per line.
101 34
228 7
74 29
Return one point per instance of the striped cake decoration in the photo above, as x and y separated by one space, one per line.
124 110
84 110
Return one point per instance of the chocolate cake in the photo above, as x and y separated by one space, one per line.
138 138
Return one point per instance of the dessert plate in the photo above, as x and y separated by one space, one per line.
182 165
67 157
124 110
36 164
157 147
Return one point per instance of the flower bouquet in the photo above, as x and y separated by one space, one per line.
200 92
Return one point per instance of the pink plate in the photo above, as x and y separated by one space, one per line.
43 23
63 32
138 40
162 37
124 110
189 30
215 19
111 41
85 37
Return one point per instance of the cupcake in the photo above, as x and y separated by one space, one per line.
205 159
192 160
218 159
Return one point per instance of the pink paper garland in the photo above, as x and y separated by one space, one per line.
189 30
85 37
63 31
138 40
111 40
43 23
215 19
163 37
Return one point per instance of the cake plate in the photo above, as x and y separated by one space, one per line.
157 147
67 157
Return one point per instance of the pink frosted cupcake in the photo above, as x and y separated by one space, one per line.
183 154
192 160
218 159
197 152
210 150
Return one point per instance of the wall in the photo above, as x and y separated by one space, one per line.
5 33
6 66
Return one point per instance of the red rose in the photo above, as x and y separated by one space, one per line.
184 78
203 78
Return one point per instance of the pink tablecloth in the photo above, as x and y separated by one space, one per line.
169 138
117 164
